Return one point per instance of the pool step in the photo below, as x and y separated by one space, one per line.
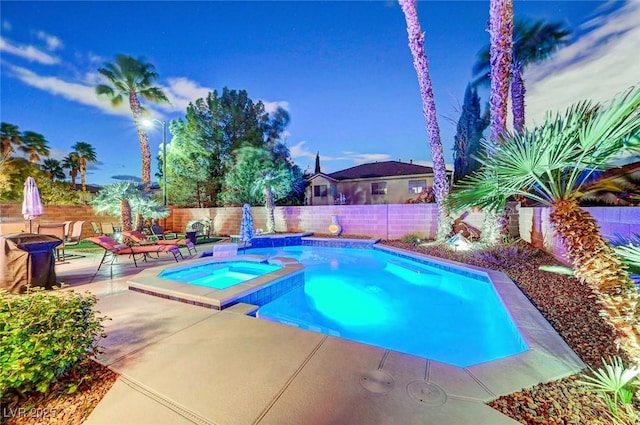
413 273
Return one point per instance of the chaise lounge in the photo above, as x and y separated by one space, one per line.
141 238
112 249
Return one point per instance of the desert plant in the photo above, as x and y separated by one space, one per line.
45 334
510 252
411 238
616 384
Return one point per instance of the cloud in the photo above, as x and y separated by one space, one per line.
300 151
30 53
84 94
362 158
600 64
181 91
134 179
6 25
53 43
271 107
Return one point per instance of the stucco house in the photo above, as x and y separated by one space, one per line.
388 182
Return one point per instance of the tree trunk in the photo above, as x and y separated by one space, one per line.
270 206
517 98
83 178
143 140
596 263
501 51
127 221
421 65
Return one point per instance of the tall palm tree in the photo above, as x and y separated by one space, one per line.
552 164
85 154
34 145
53 168
71 162
10 137
130 78
500 52
421 64
533 42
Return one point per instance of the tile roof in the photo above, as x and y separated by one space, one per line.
380 169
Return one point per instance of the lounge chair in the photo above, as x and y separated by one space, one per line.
112 249
141 238
97 230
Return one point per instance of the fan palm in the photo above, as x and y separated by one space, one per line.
551 164
34 145
130 78
85 153
533 42
115 199
421 65
71 162
53 168
10 137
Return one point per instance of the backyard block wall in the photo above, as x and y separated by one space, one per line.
392 221
536 229
11 220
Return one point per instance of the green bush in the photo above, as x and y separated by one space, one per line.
412 239
44 334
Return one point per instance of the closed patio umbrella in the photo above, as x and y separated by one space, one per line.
246 225
31 203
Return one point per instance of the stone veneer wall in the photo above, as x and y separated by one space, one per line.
536 229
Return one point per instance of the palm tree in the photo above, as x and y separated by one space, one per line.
53 168
552 164
71 162
116 199
130 78
533 42
34 145
500 51
421 64
85 154
10 137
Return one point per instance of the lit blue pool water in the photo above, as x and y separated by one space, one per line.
219 275
379 299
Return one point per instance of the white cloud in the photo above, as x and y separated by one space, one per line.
181 91
53 43
271 107
300 151
363 158
84 94
602 63
30 53
6 25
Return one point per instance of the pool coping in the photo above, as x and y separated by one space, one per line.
148 282
548 358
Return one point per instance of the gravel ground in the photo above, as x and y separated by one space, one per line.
571 309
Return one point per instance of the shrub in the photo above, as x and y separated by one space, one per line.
412 239
509 252
44 334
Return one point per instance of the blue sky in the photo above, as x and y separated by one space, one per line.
342 69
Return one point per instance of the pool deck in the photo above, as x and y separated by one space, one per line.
184 364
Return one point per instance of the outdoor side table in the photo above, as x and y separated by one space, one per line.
27 259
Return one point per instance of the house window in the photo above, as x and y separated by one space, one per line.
320 191
379 188
417 186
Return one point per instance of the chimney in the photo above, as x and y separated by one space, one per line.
411 161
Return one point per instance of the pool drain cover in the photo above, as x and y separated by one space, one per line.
377 381
426 393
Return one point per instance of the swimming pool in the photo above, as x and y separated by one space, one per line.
372 297
219 275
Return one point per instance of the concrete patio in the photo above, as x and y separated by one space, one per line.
180 363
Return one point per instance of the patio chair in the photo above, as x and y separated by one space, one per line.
140 238
57 230
97 230
158 232
67 225
76 234
199 228
112 249
107 228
